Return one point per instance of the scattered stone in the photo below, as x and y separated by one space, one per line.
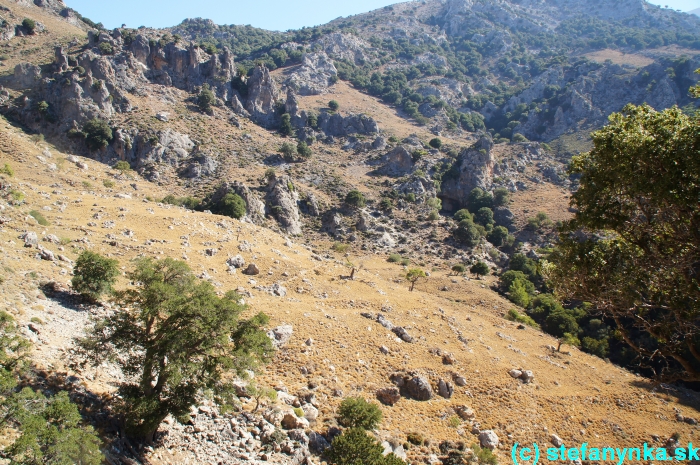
30 239
418 388
464 412
280 335
445 389
460 381
252 270
556 440
488 439
47 255
279 290
385 350
236 262
448 359
291 421
402 333
388 395
515 373
527 376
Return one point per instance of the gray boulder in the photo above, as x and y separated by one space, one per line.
474 169
445 389
388 395
280 335
236 262
30 239
488 439
317 443
418 388
262 97
255 208
397 162
282 199
402 333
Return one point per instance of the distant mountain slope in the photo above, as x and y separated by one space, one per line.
695 12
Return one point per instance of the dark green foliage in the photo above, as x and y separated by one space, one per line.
206 99
312 120
560 322
467 233
355 199
50 430
191 203
29 25
484 217
540 222
514 315
303 149
97 134
122 166
498 236
333 105
174 337
599 347
232 205
94 275
106 48
386 205
286 125
463 214
459 268
394 258
288 151
356 412
415 438
501 197
480 269
478 198
356 447
435 143
36 214
15 350
638 202
519 262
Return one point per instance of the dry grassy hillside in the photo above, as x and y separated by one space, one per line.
577 396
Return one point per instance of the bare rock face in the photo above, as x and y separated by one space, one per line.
282 200
262 96
26 75
344 46
313 76
397 162
418 186
474 168
336 125
201 165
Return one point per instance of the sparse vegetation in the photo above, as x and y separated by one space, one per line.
122 166
7 169
206 100
39 217
413 276
97 134
356 412
108 183
191 203
29 25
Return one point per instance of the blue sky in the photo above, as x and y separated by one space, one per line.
277 15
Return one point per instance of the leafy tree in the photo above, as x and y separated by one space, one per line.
501 197
232 205
386 205
97 133
14 353
478 198
173 337
509 277
435 143
467 233
50 430
414 275
463 214
480 269
94 275
519 262
312 120
459 268
519 294
288 151
106 48
286 125
356 412
333 105
356 447
206 99
484 216
303 149
638 204
567 338
29 25
355 199
122 166
560 322
498 236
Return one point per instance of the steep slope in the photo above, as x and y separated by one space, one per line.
334 351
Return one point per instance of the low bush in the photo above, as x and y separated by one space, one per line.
39 217
356 412
94 275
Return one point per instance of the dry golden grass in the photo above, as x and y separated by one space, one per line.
579 397
619 58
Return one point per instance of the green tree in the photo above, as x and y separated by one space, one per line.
232 205
467 233
567 338
286 125
303 149
478 198
498 236
435 143
355 199
386 205
29 25
14 353
414 275
463 214
312 120
333 105
638 204
459 268
484 216
480 269
356 412
288 151
206 99
501 197
519 292
106 48
174 337
94 275
122 166
98 134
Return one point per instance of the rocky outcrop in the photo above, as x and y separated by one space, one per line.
262 97
334 124
473 168
420 186
282 201
344 47
255 208
397 162
313 76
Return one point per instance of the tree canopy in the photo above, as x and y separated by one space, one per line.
633 247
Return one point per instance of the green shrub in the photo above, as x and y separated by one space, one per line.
288 151
7 169
94 275
434 202
108 183
539 222
16 196
298 411
356 447
355 199
394 258
39 217
435 143
467 233
87 185
386 205
415 438
232 205
98 134
333 105
514 315
411 197
206 99
484 216
405 261
519 138
454 421
340 247
459 268
286 125
303 149
478 198
356 412
597 347
480 269
191 203
106 48
484 456
433 215
50 430
312 120
519 292
501 196
498 236
560 322
519 262
29 25
463 214
122 166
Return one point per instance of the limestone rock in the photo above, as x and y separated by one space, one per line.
445 389
388 395
236 262
418 388
397 162
262 96
291 421
488 439
474 169
30 239
252 270
556 440
282 200
313 76
464 412
280 335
